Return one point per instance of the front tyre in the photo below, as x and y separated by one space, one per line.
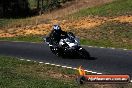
83 54
55 50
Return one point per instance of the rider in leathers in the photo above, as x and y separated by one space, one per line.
56 35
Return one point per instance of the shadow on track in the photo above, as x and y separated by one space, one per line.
92 58
84 56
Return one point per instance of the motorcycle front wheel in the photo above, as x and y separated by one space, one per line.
83 54
56 51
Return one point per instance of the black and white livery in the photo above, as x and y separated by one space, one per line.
68 46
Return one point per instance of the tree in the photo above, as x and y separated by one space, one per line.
14 8
38 4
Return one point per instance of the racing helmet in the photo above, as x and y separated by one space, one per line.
56 28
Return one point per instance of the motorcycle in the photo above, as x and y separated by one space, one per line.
68 46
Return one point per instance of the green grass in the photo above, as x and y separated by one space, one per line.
6 23
21 74
106 43
110 34
116 8
29 38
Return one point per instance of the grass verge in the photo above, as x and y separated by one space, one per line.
29 38
110 34
22 74
116 8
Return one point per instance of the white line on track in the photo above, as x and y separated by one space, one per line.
58 65
69 67
90 46
102 47
89 71
22 59
112 48
47 63
125 49
94 72
41 62
64 66
74 68
28 60
61 66
99 73
52 64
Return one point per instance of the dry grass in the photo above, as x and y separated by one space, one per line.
68 8
122 19
74 6
82 23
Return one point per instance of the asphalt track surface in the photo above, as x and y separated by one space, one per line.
107 61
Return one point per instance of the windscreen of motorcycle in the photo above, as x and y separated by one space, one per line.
69 42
